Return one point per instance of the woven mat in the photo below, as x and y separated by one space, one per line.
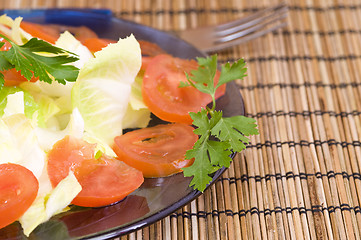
300 178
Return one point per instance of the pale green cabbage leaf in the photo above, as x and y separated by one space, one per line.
103 89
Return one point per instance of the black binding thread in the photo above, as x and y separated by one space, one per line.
303 114
304 143
315 209
291 58
291 175
299 85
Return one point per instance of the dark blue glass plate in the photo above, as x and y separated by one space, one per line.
156 198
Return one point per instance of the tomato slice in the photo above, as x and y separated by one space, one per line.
44 32
104 180
51 32
145 61
14 78
161 92
156 151
18 190
80 32
150 49
97 44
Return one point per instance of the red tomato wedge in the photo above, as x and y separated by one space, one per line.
97 44
156 151
104 180
145 61
161 92
18 190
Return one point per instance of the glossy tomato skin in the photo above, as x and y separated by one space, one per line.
18 190
156 151
162 94
104 180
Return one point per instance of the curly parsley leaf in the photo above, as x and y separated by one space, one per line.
219 135
39 59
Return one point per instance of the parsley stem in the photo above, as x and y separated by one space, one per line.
213 102
5 38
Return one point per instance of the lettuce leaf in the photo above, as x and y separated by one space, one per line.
23 138
103 88
51 203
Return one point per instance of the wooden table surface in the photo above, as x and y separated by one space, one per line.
300 178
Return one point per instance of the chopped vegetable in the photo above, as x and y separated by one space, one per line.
22 100
41 31
50 203
103 89
68 42
24 139
18 187
48 137
12 29
97 44
104 180
156 151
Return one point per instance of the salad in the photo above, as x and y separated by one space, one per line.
75 112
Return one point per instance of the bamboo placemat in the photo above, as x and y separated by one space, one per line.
300 178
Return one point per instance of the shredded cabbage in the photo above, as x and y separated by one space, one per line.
103 89
12 29
48 204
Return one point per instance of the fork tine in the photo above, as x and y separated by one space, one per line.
237 26
212 38
243 30
244 39
251 17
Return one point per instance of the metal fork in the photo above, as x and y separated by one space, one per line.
217 37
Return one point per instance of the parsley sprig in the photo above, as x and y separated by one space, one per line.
39 59
219 135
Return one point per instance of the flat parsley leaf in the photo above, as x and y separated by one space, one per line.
4 65
219 135
203 77
231 72
201 167
234 130
39 59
